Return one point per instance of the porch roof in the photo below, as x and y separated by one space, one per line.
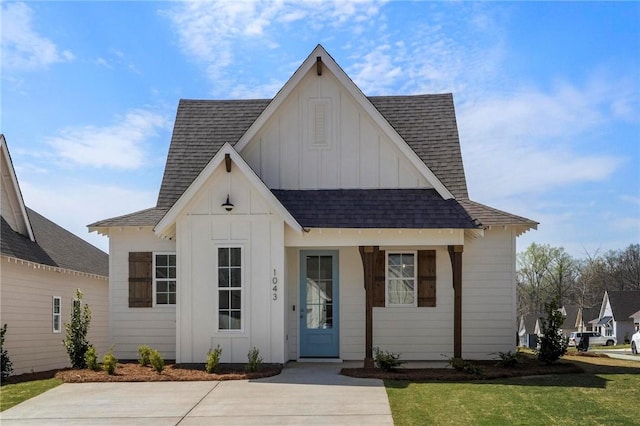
374 208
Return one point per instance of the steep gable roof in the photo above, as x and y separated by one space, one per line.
12 195
624 303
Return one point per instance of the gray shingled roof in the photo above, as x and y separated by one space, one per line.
488 216
589 314
54 246
374 208
147 217
572 315
530 321
426 122
624 303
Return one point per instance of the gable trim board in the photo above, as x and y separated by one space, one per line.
275 223
9 172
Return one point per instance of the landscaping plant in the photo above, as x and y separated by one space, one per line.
507 359
76 342
156 360
460 364
5 363
144 352
109 362
213 359
388 361
552 343
255 360
91 358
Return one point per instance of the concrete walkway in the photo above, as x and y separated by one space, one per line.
301 394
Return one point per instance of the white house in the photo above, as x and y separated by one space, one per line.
615 318
41 266
317 224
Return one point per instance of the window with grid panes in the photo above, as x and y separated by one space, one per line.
229 288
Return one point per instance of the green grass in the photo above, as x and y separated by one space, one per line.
11 395
605 394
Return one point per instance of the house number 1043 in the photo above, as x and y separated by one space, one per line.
274 289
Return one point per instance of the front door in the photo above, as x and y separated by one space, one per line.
319 304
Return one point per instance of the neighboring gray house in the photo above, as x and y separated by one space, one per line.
572 316
41 266
529 330
587 318
317 224
615 317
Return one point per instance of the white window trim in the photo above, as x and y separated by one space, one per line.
415 279
242 290
59 314
153 290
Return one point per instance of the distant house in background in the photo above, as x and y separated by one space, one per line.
572 316
636 320
529 330
615 314
586 316
41 266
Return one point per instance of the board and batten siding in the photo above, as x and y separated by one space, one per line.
132 327
489 322
321 138
26 307
201 229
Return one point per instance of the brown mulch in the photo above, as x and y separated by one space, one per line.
134 372
489 370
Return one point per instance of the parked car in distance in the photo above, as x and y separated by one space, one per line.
635 343
595 339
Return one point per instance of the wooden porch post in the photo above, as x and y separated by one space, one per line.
369 255
455 254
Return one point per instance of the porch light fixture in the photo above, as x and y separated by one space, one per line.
227 204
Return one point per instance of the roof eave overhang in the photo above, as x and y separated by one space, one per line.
16 188
166 226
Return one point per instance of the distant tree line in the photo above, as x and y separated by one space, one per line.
546 274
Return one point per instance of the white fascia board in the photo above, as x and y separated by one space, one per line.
350 86
168 221
16 187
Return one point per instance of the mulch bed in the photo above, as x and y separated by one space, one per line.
134 372
489 370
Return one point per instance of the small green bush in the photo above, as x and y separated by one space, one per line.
507 359
460 364
109 362
213 359
91 358
6 366
552 343
144 352
388 361
156 360
255 360
76 342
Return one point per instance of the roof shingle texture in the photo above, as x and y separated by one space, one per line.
374 208
147 217
624 303
54 246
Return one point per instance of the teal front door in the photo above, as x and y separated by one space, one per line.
319 337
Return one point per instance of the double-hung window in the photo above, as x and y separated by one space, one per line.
164 278
230 288
57 314
401 283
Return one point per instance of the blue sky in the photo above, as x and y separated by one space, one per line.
547 96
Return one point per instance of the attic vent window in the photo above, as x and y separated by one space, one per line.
319 128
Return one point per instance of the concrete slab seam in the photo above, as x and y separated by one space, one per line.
215 385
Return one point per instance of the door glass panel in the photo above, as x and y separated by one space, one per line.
319 309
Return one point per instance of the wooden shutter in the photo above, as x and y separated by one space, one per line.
140 279
379 280
427 278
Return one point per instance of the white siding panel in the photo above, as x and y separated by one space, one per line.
26 308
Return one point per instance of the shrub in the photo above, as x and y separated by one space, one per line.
156 360
109 362
144 352
460 364
627 338
507 359
6 366
213 359
552 343
76 342
255 360
91 358
388 361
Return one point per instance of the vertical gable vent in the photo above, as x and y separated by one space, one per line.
320 122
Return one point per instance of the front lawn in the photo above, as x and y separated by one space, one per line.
14 394
607 393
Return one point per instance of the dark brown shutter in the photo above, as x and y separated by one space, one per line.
379 280
140 279
427 278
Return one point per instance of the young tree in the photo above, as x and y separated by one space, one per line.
5 362
76 341
552 343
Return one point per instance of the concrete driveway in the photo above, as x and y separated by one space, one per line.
302 394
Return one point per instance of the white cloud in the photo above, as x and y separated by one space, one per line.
23 48
121 145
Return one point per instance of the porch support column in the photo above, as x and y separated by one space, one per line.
455 254
369 255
